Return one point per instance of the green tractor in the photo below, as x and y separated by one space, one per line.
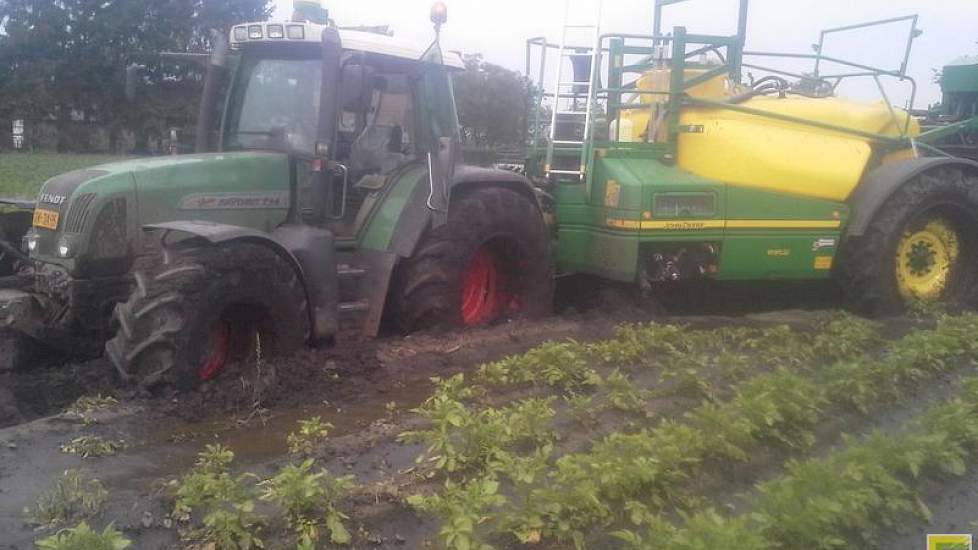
331 198
678 156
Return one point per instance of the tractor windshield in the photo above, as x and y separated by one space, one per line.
275 105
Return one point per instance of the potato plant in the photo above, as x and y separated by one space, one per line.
91 446
311 433
309 500
565 365
622 394
224 503
463 438
72 498
83 537
464 507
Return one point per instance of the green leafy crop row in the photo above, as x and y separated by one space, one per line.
845 500
646 468
687 359
781 408
630 476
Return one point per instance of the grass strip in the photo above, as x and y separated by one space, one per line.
22 174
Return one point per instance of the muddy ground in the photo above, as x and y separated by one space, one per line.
351 386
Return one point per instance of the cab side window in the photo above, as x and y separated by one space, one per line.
380 130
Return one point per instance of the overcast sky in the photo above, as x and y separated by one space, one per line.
498 29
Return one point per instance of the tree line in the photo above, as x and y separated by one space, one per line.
63 61
62 64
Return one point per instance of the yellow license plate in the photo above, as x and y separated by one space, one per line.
47 219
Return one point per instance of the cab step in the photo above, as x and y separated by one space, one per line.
353 308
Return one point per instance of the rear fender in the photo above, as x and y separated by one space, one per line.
309 250
414 218
417 216
880 183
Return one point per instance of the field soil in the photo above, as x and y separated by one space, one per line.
366 390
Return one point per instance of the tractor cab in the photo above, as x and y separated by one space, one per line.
351 107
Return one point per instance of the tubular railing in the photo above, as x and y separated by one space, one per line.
729 50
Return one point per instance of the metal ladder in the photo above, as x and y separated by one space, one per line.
568 90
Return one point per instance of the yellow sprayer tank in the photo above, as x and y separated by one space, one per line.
763 152
636 123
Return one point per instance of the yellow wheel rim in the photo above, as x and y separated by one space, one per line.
924 260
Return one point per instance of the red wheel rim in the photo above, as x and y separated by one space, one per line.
482 297
218 349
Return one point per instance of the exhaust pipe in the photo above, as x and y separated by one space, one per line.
216 69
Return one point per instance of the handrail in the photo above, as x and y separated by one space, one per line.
793 55
914 33
619 93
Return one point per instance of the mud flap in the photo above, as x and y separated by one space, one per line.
315 250
374 287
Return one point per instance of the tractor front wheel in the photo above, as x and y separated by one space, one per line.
196 308
491 260
922 246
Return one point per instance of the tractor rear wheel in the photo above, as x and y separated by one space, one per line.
195 307
922 246
491 260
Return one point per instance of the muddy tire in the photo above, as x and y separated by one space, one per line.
491 260
196 307
921 245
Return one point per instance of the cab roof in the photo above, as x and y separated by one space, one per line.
277 32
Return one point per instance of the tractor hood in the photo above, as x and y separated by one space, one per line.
98 213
